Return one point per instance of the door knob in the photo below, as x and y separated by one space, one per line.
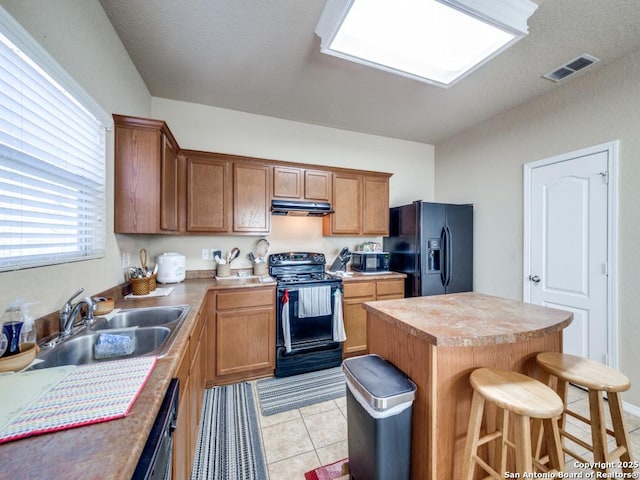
534 278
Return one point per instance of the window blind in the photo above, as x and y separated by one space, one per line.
52 169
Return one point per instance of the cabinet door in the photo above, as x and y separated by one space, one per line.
251 198
137 180
375 206
169 187
355 325
389 289
208 195
355 316
245 340
182 436
287 183
317 185
347 203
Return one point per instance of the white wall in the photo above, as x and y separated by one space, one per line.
78 34
201 127
598 107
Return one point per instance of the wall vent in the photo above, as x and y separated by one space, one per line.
571 67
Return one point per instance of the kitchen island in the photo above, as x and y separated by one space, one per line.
438 341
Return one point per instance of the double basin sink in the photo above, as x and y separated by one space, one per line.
148 331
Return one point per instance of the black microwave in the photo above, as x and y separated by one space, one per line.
370 262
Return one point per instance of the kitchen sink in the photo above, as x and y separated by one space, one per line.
150 330
142 317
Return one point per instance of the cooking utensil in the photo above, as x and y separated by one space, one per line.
143 261
262 248
233 254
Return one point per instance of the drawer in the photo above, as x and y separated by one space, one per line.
245 297
390 287
359 289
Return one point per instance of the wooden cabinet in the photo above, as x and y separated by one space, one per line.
375 205
226 195
347 203
160 188
251 198
191 377
361 204
301 184
355 316
242 335
182 437
208 194
148 177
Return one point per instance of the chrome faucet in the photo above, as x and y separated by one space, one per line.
69 313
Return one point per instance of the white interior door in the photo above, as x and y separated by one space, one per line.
568 248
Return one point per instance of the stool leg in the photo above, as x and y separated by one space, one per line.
473 434
554 444
620 429
522 439
598 428
500 453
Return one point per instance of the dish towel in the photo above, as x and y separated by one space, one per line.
339 335
314 301
286 327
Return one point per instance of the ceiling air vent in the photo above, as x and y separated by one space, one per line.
568 69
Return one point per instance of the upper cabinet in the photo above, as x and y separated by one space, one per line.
208 194
361 204
148 173
251 198
301 184
160 188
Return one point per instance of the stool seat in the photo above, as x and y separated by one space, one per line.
599 380
584 372
514 391
518 400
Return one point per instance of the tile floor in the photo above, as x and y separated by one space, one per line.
300 440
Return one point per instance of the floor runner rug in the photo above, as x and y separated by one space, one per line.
228 445
278 395
329 472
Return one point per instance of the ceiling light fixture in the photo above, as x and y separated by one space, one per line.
434 41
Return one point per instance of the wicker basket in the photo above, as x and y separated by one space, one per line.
140 286
153 282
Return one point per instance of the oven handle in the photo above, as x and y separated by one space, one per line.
309 349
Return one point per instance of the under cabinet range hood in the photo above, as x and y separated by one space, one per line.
300 209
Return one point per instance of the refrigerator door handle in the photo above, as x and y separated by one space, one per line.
448 255
443 256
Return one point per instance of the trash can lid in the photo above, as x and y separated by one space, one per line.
380 382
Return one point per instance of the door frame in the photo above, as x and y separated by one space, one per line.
612 149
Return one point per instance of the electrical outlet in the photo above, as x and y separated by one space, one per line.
205 254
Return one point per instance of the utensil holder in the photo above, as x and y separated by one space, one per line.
260 269
140 286
223 270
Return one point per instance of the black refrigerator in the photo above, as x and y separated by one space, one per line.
433 244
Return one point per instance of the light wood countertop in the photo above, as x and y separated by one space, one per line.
470 319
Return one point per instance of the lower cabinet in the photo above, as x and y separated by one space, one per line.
355 316
234 339
190 374
242 335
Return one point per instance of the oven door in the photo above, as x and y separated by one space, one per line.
306 332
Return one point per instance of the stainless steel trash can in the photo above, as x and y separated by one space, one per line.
379 407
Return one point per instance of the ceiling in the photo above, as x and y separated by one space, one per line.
262 57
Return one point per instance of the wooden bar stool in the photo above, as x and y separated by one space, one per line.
597 378
522 398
